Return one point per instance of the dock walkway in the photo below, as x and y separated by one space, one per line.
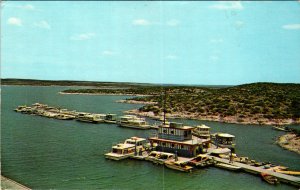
258 170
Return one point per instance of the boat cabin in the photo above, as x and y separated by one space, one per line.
202 131
111 117
225 140
136 140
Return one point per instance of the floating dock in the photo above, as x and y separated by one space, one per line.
289 179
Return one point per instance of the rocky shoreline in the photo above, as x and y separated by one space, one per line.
231 119
290 142
136 102
102 94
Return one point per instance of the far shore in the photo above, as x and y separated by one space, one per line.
230 119
187 115
102 94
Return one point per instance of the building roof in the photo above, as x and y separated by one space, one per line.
203 127
182 128
194 141
226 135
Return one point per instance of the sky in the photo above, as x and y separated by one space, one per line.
187 42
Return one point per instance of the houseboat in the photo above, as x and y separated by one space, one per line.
110 118
202 131
132 121
176 138
90 118
224 140
159 157
130 147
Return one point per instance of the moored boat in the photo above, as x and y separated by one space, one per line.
178 165
269 178
130 147
159 157
132 121
202 131
280 128
110 118
200 160
228 166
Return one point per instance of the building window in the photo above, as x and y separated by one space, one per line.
182 146
164 144
173 145
185 134
165 131
172 132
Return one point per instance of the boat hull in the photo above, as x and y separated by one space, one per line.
135 126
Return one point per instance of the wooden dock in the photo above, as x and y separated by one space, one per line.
289 179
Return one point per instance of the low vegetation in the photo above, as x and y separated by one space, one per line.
252 103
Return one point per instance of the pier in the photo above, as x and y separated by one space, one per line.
289 179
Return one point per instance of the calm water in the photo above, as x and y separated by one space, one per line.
44 153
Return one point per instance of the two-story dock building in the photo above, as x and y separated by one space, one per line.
176 138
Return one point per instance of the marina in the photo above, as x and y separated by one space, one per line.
175 147
69 154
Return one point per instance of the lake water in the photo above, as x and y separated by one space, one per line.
44 153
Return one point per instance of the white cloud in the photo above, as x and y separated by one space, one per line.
141 22
108 53
173 22
14 21
171 57
216 40
42 24
291 27
223 5
27 7
83 36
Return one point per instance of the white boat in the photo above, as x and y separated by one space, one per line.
178 165
200 160
91 118
228 166
280 128
130 147
110 118
132 121
163 157
159 157
64 117
202 131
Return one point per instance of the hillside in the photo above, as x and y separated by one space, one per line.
257 103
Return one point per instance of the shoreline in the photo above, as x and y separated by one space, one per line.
101 94
136 102
289 142
232 120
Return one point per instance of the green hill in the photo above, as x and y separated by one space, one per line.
258 103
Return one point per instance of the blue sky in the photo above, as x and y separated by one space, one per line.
213 43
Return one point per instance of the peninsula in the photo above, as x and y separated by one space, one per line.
256 103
